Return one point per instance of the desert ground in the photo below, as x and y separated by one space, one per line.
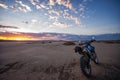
55 61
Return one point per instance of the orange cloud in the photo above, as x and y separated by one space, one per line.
3 6
52 2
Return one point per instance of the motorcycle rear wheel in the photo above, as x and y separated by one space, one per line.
96 60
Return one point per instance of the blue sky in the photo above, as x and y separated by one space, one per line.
84 17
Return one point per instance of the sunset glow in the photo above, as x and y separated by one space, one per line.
17 38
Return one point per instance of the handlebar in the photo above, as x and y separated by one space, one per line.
87 43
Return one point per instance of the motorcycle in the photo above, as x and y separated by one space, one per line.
88 55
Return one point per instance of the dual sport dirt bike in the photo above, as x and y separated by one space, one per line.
88 55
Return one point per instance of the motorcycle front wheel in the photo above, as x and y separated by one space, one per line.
85 66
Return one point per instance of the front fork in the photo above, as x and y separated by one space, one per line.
89 60
89 64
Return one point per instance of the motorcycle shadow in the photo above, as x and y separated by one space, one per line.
106 72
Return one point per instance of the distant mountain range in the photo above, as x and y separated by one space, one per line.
115 36
63 36
97 37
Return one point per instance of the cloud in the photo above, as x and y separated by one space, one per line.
52 2
14 7
1 26
42 6
3 6
70 17
38 7
18 9
25 8
77 20
87 0
68 4
81 8
83 15
54 12
34 2
33 20
61 24
53 17
65 3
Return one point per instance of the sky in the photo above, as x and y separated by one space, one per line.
82 17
